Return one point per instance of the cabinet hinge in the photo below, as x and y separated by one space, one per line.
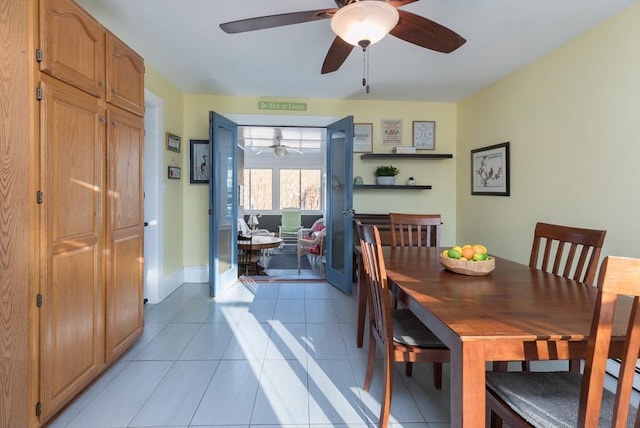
39 55
39 94
39 300
38 408
39 196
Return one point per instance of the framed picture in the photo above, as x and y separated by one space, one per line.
490 170
174 173
173 143
362 141
199 164
424 135
392 132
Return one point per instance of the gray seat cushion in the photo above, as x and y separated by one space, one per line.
547 399
409 330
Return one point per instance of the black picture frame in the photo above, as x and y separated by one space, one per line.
199 162
490 170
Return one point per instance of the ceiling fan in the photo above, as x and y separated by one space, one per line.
278 148
404 25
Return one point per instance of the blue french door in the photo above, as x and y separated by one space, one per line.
339 258
223 203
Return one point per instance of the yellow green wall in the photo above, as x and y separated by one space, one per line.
174 193
572 119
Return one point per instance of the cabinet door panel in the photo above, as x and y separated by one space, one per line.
125 138
72 317
72 45
125 76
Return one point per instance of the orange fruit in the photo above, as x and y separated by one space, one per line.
468 252
478 248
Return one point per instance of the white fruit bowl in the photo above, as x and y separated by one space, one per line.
468 267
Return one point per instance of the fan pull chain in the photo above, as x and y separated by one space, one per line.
365 69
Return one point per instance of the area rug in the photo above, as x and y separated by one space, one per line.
288 259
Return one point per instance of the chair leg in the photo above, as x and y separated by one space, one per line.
574 365
437 375
387 389
408 368
370 362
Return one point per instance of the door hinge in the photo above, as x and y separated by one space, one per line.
39 55
39 94
38 408
39 196
39 300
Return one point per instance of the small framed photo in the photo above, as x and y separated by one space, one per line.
424 135
175 173
392 132
199 163
173 143
490 170
362 137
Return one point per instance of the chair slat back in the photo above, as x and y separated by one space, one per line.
579 263
291 219
245 254
409 230
619 276
379 299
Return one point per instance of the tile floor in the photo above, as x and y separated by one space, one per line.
262 355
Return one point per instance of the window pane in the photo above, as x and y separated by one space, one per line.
258 189
289 188
310 183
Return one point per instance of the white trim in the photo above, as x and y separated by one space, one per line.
196 273
170 283
154 196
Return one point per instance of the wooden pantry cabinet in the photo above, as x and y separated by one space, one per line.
71 205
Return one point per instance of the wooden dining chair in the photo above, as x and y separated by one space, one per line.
567 399
570 252
247 257
420 230
402 337
581 260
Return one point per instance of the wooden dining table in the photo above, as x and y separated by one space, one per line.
260 242
516 313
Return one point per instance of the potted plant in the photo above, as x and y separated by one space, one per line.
386 174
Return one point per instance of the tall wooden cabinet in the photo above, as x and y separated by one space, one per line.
73 230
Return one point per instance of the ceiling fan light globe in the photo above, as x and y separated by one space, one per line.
365 20
279 151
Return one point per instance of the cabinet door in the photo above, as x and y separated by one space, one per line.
125 76
72 314
72 45
125 139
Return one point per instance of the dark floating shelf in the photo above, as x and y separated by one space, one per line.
406 156
391 187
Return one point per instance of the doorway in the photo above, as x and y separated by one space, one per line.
153 197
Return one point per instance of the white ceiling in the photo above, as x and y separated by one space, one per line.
182 40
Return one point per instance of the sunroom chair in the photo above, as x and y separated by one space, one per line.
312 245
400 335
419 230
290 223
566 251
568 399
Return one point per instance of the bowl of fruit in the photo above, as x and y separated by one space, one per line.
468 260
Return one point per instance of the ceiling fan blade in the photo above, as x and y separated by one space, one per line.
426 33
271 21
338 53
399 3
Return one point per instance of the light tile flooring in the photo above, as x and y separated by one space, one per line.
262 355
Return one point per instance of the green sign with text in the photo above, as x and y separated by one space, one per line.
277 105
